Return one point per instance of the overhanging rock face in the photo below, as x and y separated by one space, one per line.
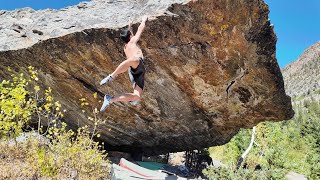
211 68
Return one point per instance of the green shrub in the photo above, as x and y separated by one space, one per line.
228 174
52 152
16 107
279 147
68 154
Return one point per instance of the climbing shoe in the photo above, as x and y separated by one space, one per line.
109 78
106 102
134 103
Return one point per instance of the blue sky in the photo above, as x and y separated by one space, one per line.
36 4
297 25
296 22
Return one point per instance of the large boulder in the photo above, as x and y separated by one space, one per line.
211 68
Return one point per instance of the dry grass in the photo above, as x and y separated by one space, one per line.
12 161
14 164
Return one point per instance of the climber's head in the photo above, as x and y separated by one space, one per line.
125 35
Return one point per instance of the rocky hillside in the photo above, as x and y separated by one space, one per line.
211 68
302 77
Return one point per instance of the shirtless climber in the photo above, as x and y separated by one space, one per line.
134 64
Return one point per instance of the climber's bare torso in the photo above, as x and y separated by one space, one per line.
132 50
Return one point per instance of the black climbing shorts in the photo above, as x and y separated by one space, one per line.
137 75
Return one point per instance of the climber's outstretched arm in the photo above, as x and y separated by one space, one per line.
141 27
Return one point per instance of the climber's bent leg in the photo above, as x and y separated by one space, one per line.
133 62
123 67
135 96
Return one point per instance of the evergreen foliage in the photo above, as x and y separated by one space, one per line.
279 147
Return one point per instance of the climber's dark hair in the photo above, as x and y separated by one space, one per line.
125 35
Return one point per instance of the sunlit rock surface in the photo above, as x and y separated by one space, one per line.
211 68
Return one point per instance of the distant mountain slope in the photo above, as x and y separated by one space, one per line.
302 77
